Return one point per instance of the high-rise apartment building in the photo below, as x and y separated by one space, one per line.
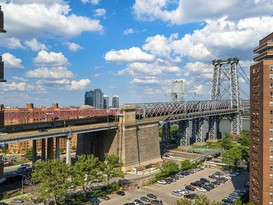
261 123
94 98
115 101
177 90
105 102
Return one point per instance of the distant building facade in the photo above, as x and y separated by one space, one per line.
105 102
261 124
19 147
177 91
94 98
115 101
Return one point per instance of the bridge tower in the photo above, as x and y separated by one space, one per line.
225 80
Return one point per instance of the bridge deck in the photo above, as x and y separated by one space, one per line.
56 132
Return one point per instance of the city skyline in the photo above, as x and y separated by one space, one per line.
54 50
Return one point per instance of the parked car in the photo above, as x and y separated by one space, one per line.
138 202
190 188
105 197
94 200
205 180
177 193
157 202
120 193
144 198
152 196
15 201
162 181
190 196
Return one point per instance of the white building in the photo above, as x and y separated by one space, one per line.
177 91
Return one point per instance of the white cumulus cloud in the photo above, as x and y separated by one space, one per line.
185 11
51 58
78 85
31 19
94 2
34 45
132 54
51 73
11 61
99 12
73 46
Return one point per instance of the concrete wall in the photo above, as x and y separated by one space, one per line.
140 145
97 143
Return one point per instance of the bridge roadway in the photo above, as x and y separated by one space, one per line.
64 131
56 132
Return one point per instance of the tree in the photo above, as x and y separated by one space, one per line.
227 143
169 168
232 156
200 200
86 170
245 138
112 167
186 165
174 131
54 177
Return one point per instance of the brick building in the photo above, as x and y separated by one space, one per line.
19 147
261 123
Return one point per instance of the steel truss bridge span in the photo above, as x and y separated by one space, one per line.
38 115
172 110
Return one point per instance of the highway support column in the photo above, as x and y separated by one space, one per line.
68 149
43 151
50 149
57 147
34 151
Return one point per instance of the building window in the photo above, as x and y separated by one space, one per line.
271 67
271 157
271 85
270 186
271 130
271 139
271 176
271 149
271 94
271 76
270 103
271 194
271 169
270 203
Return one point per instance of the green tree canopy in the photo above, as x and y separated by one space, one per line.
232 156
54 177
201 200
169 168
227 143
245 138
186 165
86 170
112 167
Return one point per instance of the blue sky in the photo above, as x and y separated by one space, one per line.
56 50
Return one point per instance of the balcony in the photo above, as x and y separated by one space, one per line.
263 47
266 54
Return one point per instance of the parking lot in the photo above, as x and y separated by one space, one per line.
164 192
